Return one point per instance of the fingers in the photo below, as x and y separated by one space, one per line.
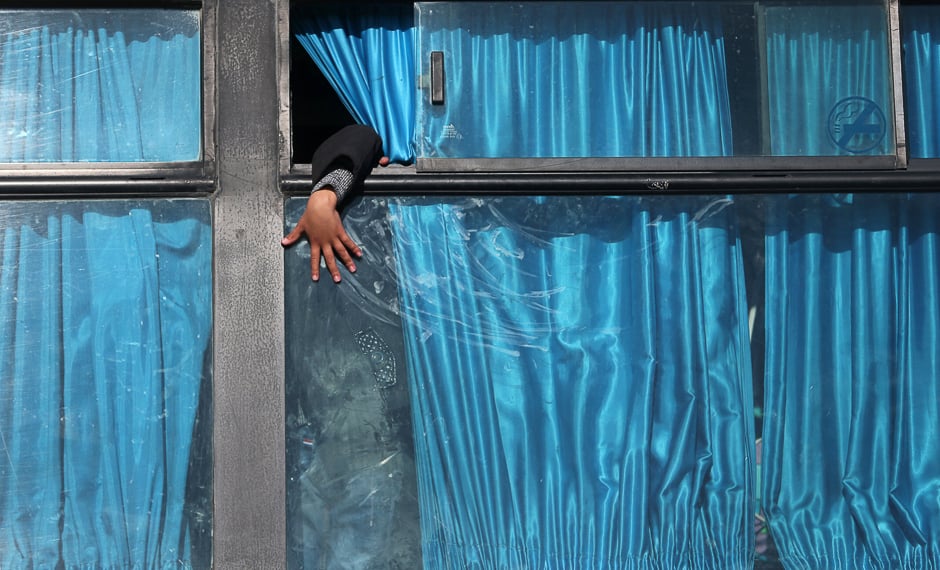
315 262
384 161
343 253
347 244
293 236
330 259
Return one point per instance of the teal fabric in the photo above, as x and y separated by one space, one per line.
580 381
576 79
921 26
850 463
96 86
105 307
105 315
366 52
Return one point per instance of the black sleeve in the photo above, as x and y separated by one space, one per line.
356 148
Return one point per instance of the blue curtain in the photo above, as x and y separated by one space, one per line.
95 86
366 52
826 70
577 80
921 25
580 380
105 314
105 307
850 470
850 462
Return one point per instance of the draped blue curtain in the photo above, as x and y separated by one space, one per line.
366 52
850 462
850 470
921 25
105 307
580 380
104 326
827 70
100 87
577 79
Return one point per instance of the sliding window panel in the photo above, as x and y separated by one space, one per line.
670 86
829 80
572 80
105 324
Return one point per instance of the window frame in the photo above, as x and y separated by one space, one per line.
120 179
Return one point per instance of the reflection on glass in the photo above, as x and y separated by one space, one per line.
828 84
105 318
351 495
586 79
653 79
583 374
100 86
921 33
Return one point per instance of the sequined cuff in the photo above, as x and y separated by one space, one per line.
339 180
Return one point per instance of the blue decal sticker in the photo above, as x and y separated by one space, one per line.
857 124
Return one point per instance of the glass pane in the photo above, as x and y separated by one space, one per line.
829 80
100 86
652 79
351 495
105 322
613 380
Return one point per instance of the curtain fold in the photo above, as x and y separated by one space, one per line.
577 80
921 27
105 326
100 87
105 307
851 471
580 382
366 52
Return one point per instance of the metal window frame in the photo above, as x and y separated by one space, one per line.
126 179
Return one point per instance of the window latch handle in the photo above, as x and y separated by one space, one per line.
437 78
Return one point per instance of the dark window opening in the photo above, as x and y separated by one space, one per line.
316 110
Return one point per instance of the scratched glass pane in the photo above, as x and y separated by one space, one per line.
505 300
828 80
105 384
653 79
100 86
351 495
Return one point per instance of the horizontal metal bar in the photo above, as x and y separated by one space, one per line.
97 4
658 164
406 181
93 187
